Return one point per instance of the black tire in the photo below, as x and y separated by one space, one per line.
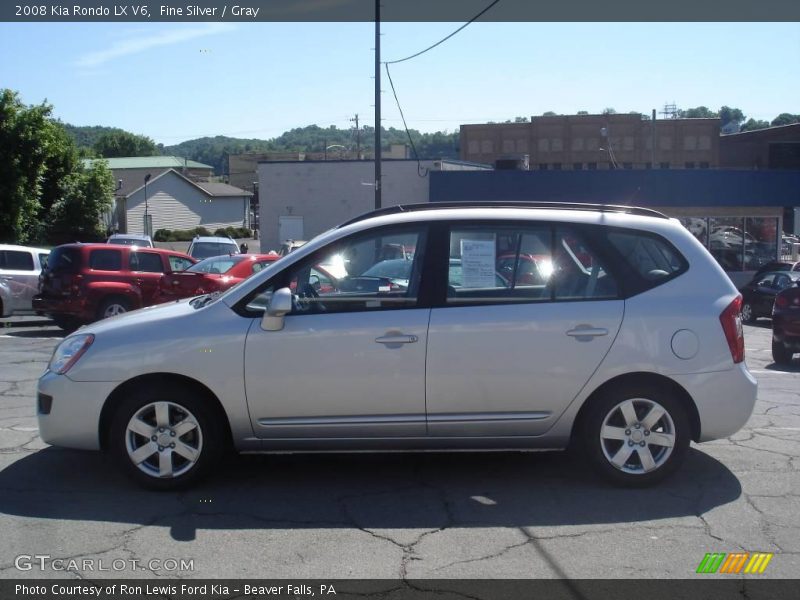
605 409
118 304
208 438
780 353
66 322
748 314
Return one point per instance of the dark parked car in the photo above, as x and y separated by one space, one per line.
778 265
786 324
87 282
758 296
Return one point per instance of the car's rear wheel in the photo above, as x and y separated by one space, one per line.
111 307
166 437
780 353
748 316
636 435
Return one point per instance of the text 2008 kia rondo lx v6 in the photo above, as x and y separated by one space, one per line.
627 342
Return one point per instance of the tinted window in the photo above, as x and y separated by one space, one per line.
650 256
64 259
105 260
16 260
146 261
43 260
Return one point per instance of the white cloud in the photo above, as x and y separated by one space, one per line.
131 45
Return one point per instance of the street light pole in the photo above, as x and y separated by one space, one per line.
146 216
377 104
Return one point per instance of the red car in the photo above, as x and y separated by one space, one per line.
87 282
786 325
214 274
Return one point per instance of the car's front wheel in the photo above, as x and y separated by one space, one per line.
165 438
636 435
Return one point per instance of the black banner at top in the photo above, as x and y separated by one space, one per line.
397 10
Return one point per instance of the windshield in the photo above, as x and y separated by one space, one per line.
216 264
208 249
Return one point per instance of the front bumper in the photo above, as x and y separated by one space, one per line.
73 420
724 400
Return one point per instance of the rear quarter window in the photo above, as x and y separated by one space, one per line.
650 256
105 260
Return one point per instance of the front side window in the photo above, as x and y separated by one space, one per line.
148 262
176 263
380 270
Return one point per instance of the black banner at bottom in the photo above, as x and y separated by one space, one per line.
418 589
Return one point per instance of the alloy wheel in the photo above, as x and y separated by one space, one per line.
637 436
163 439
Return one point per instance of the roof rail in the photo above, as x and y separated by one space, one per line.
401 208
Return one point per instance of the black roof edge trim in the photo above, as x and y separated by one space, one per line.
401 208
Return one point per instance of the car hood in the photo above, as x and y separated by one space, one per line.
150 314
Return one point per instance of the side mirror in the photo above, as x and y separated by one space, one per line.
279 305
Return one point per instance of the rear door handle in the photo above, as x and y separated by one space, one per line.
586 332
397 339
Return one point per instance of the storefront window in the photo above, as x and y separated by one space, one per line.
738 244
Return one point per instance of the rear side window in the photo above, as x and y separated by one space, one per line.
16 260
652 257
148 262
105 260
64 260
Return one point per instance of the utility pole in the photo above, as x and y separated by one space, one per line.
358 138
377 104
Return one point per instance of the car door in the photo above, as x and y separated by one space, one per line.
147 269
20 273
506 355
344 365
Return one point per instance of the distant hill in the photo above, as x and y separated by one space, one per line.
214 151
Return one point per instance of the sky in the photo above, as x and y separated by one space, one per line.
178 81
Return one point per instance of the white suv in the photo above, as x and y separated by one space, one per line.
611 329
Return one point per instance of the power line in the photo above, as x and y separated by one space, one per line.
476 17
420 171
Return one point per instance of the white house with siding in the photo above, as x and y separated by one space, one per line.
177 203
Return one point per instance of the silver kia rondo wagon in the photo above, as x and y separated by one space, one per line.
439 326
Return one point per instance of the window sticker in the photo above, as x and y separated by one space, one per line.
478 263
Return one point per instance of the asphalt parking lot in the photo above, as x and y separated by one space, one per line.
460 515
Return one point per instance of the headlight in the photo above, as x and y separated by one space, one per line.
69 352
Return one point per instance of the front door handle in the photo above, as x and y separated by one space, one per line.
584 333
397 339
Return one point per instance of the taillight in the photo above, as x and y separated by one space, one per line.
781 301
731 320
76 282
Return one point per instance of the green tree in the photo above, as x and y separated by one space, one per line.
36 155
699 112
609 111
122 143
785 119
87 195
731 115
753 124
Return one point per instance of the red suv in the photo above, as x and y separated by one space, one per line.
86 282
